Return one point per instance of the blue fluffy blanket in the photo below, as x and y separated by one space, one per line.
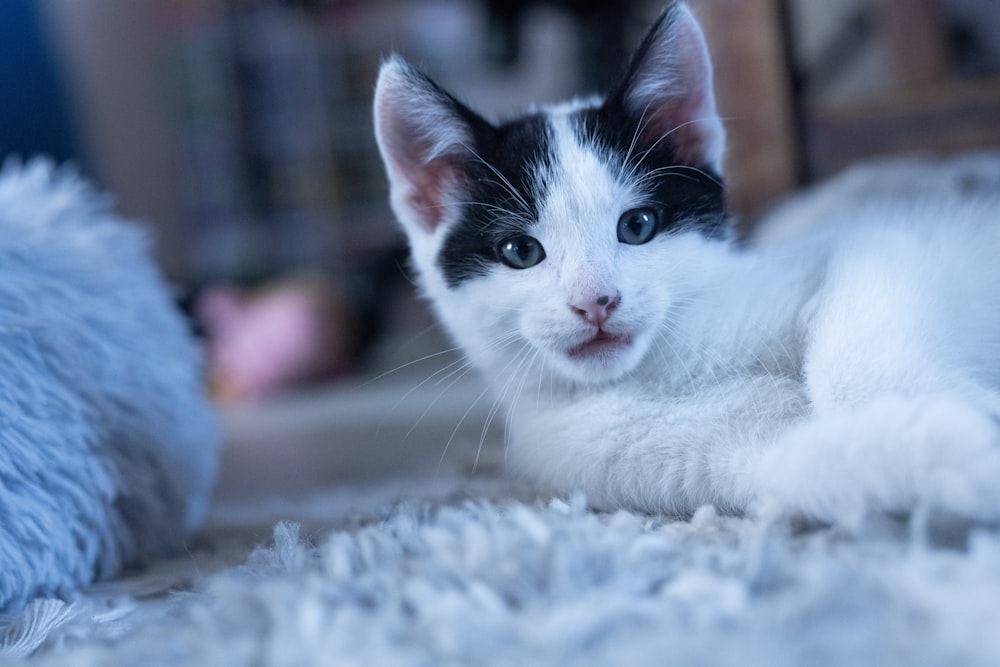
107 444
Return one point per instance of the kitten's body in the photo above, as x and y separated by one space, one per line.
577 256
871 345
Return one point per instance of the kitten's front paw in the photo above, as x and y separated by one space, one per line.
893 455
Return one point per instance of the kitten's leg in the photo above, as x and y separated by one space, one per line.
890 455
903 418
622 448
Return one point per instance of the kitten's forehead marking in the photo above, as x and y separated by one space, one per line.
587 195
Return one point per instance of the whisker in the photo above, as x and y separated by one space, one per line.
458 375
508 422
466 414
454 432
407 364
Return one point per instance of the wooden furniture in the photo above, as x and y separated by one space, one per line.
783 134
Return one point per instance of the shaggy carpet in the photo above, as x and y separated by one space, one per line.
460 572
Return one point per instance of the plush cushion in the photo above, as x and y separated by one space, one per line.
107 444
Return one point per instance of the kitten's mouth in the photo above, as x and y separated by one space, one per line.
601 344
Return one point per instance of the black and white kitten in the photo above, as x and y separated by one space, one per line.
580 256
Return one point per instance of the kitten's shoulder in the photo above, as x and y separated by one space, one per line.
873 193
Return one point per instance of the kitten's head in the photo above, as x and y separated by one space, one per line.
561 239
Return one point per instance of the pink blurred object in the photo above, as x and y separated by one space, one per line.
286 334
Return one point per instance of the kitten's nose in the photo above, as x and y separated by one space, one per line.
596 310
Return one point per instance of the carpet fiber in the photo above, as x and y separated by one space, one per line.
463 576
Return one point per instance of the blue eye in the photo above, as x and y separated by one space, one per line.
521 252
638 226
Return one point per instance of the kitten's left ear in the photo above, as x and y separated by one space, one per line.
668 90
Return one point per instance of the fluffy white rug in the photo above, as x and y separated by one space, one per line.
462 574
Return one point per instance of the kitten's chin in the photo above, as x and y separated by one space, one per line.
602 359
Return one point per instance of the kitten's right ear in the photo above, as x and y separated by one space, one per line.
425 137
668 90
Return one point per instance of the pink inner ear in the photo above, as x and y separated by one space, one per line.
429 187
424 186
678 123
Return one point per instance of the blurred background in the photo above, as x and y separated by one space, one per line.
239 131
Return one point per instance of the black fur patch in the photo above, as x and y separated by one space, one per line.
502 195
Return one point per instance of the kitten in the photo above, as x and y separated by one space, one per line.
581 256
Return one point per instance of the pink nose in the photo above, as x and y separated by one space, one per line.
596 311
